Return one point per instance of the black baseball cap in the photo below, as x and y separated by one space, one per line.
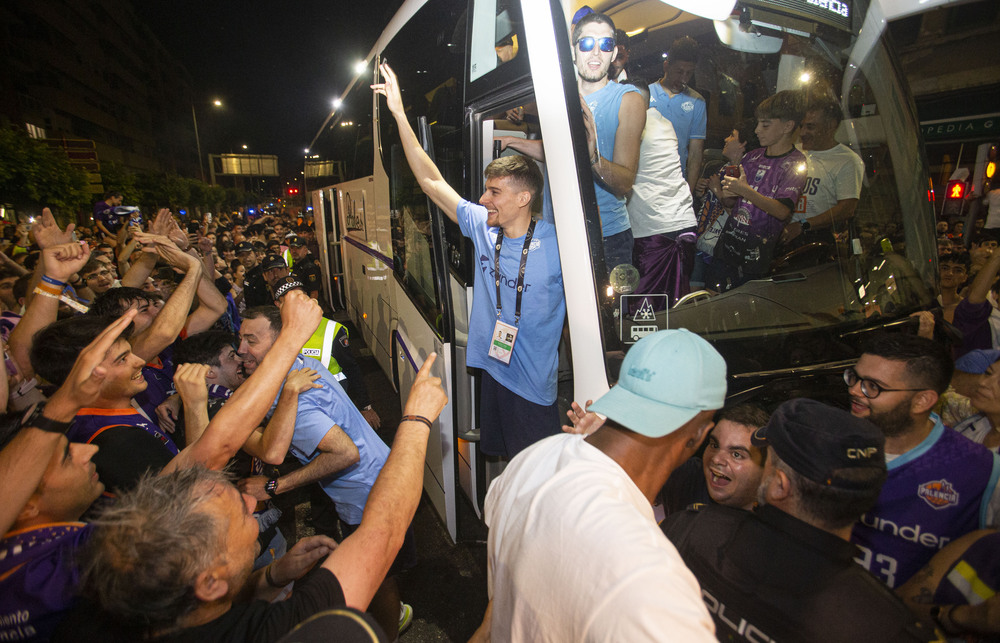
244 246
273 261
816 440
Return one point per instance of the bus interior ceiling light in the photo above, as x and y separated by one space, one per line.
711 9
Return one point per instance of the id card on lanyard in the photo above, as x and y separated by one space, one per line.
504 335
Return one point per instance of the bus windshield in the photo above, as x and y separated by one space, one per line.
775 292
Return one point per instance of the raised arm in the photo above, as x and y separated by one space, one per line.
530 147
171 319
271 444
984 279
618 173
24 460
243 412
58 265
428 176
362 560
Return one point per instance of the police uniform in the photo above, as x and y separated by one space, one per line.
329 344
767 576
256 292
307 271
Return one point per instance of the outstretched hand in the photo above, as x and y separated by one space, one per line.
581 421
389 87
83 384
426 398
47 232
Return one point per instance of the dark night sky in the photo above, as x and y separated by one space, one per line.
275 65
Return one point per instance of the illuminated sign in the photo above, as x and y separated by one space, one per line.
956 190
833 13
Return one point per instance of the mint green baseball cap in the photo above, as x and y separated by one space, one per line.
666 379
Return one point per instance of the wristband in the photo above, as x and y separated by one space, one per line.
271 487
805 225
54 282
270 579
39 421
49 288
416 418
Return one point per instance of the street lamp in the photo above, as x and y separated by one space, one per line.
197 139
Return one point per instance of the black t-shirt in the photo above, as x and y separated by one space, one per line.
686 486
257 621
125 454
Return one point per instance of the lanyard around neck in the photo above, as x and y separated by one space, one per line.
520 273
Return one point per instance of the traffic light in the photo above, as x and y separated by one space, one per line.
956 190
293 191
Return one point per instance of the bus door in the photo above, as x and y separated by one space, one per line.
430 286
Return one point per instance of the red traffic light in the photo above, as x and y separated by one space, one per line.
293 190
956 190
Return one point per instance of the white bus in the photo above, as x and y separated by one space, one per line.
471 69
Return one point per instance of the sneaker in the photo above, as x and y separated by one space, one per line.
405 617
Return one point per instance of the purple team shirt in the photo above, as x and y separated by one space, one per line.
751 234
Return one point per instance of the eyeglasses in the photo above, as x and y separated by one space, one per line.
607 45
869 388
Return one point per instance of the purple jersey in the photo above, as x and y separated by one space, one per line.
38 579
106 215
89 423
934 494
750 234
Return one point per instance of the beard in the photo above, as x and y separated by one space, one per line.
894 422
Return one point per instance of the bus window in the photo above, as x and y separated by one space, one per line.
496 36
872 266
428 55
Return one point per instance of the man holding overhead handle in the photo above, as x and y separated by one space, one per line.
518 304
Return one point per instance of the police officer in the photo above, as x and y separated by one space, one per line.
786 571
329 344
255 291
304 266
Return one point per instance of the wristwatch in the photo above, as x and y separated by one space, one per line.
805 225
271 487
39 421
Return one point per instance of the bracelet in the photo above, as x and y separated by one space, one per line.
49 288
416 418
54 282
596 158
270 579
45 293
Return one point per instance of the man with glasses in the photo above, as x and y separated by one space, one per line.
941 485
617 118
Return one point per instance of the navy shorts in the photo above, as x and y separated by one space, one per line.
509 423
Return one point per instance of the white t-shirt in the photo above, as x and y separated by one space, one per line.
575 554
661 199
831 175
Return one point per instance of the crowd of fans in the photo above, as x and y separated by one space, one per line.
160 371
152 367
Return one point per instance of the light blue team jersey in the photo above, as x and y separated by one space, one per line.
604 104
685 111
320 409
532 369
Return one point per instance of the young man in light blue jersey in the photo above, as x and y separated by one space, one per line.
518 305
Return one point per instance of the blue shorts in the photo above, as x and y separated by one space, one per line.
509 423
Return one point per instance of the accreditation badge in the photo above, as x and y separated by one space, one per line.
502 344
